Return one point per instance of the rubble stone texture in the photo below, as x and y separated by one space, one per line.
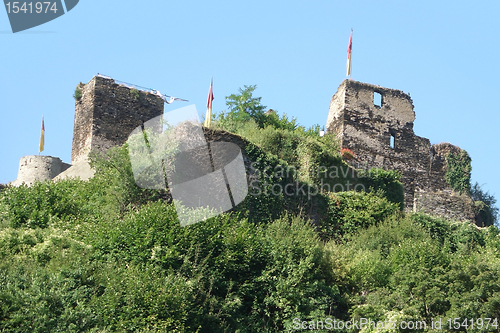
380 132
107 113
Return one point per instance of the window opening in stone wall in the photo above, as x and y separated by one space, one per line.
392 140
377 99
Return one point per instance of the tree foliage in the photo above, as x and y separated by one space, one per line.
244 106
488 210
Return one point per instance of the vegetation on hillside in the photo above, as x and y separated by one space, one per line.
107 256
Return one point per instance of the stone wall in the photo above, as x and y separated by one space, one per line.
35 167
107 113
447 204
381 135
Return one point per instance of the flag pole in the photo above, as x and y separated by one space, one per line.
40 145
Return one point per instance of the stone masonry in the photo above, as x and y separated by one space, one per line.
380 132
107 113
38 168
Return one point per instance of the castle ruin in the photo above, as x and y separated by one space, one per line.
105 114
379 131
376 123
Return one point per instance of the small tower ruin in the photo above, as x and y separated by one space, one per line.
38 168
106 113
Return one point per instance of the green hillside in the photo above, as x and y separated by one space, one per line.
106 256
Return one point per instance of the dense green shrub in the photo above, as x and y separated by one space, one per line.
387 181
295 282
243 271
135 94
348 212
418 268
46 282
35 206
135 298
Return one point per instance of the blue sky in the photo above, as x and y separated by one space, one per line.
445 54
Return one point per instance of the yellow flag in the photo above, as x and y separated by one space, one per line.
42 137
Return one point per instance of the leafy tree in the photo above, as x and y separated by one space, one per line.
245 109
244 106
488 211
272 118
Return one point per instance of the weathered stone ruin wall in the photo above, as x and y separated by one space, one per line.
107 113
439 165
448 204
368 129
35 167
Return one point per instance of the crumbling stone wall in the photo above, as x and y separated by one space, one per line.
107 113
381 135
448 204
439 165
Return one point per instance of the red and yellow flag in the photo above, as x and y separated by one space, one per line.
42 137
208 116
349 51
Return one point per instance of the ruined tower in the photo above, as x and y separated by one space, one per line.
376 123
38 168
106 113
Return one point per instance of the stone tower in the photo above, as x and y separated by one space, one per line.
376 123
38 168
106 113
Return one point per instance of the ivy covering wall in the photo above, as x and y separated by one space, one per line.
458 171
